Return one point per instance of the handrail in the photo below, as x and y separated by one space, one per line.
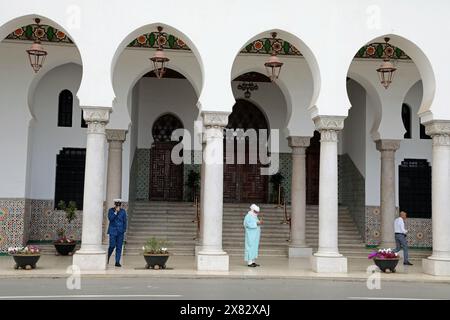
197 216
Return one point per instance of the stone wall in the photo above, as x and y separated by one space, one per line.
352 191
420 233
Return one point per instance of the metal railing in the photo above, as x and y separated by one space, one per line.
197 217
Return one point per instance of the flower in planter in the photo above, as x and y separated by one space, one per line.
155 246
383 254
27 250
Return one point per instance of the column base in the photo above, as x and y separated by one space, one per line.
299 252
212 262
197 249
436 267
90 261
323 264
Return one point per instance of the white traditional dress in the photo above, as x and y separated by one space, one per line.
252 236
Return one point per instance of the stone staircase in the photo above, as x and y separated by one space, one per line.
174 221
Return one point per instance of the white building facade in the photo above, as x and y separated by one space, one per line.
97 104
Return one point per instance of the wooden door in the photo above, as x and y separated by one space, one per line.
312 170
166 178
244 182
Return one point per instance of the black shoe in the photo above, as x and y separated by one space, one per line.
407 263
256 265
251 265
118 265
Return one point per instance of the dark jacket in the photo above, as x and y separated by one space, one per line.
117 222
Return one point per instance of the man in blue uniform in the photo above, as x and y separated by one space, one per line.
117 227
252 235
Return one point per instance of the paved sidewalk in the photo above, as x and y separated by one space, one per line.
50 266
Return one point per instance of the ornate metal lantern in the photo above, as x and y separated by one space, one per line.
159 59
36 53
273 65
247 87
386 70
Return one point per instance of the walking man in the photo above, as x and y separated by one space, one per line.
400 237
117 217
252 235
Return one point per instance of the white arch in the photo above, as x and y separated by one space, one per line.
151 27
421 61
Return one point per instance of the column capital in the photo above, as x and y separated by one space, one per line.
116 135
439 130
298 142
335 123
387 145
96 114
215 119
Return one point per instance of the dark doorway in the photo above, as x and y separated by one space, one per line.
166 178
415 188
69 183
244 182
312 170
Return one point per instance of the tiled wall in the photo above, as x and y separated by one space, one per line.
46 221
14 218
419 230
352 191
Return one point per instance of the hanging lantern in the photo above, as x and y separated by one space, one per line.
159 59
273 65
247 87
386 70
36 53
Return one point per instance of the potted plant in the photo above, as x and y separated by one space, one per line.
63 245
25 257
385 259
193 184
155 253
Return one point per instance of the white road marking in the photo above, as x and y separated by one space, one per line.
94 296
376 298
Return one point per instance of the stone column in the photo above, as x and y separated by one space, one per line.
199 244
388 208
115 140
298 247
328 258
439 262
212 257
92 256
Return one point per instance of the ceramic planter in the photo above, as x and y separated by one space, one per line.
26 261
386 264
65 248
156 261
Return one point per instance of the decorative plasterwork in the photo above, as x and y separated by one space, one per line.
264 46
440 131
298 142
43 32
116 135
335 123
215 119
387 145
96 114
381 51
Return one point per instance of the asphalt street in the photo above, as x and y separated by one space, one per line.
212 289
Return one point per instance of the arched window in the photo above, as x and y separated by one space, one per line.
406 117
65 106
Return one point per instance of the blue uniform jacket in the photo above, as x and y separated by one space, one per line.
117 222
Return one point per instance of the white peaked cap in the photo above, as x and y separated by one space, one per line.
254 207
117 200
